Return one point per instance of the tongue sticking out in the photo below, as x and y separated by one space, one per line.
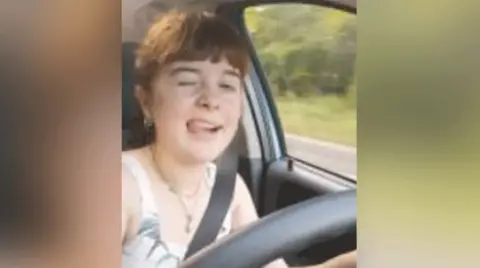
200 126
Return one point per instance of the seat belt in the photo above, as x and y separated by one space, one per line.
220 200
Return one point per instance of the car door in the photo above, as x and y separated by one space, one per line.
302 100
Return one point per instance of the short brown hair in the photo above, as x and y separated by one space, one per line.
188 36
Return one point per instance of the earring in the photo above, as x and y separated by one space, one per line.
148 123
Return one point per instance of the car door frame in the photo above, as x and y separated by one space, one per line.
277 163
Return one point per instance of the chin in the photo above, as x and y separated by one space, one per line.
204 154
200 152
199 157
204 150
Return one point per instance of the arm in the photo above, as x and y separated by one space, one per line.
346 260
243 213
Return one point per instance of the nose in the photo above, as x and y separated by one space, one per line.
209 98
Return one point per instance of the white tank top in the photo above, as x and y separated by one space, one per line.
147 249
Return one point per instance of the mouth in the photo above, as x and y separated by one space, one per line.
201 126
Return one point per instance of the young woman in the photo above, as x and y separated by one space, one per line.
189 71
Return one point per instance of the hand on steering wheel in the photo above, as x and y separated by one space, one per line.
346 260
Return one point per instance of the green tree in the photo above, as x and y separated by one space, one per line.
303 48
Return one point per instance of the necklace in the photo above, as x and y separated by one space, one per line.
187 213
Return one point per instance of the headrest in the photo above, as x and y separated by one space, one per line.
129 104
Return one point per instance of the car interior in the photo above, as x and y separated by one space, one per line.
308 213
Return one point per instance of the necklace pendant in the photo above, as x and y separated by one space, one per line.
189 223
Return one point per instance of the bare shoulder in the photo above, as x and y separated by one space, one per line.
130 201
130 194
130 190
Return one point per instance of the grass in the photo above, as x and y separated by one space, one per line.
326 118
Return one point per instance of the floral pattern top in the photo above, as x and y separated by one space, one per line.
147 249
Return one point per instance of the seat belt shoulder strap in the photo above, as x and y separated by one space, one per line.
219 202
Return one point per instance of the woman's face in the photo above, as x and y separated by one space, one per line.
196 107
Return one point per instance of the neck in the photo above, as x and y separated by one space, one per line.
183 176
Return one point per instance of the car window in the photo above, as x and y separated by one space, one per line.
308 53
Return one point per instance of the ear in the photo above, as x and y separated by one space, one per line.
144 100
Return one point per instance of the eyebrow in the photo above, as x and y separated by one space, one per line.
197 71
184 69
232 73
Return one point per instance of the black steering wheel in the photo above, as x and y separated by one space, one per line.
284 232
